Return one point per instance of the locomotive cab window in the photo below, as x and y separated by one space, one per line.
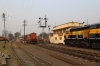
99 26
92 36
98 35
80 36
93 26
70 36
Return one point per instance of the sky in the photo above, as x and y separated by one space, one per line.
57 11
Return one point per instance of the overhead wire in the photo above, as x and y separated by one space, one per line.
21 6
33 25
31 7
28 8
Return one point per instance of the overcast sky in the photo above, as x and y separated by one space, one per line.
57 11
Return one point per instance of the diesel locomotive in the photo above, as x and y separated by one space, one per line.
85 36
31 38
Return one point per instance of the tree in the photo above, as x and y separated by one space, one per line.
5 33
45 35
17 34
11 36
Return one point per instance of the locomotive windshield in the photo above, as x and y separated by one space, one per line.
93 26
92 36
99 26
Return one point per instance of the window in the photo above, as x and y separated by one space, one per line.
66 32
64 36
69 36
74 36
98 35
56 32
55 38
60 38
93 26
92 36
80 36
60 31
99 26
63 30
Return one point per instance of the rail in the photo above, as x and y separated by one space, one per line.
16 55
39 60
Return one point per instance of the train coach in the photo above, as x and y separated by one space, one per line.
86 36
31 38
2 38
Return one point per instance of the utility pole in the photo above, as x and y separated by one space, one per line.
87 21
24 29
3 16
43 26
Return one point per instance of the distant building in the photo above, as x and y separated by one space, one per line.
59 31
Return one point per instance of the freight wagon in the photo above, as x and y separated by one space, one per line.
2 38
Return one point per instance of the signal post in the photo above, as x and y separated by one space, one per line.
43 26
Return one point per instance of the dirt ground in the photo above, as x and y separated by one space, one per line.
12 61
40 52
44 54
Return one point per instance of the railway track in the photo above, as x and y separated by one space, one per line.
57 56
39 60
82 54
27 59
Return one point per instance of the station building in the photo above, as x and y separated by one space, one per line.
59 31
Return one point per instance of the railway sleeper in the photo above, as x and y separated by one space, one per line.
84 55
97 59
92 58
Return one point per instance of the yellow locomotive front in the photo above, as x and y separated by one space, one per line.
78 37
86 36
94 35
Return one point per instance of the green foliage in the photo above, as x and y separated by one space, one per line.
45 35
17 34
5 32
11 36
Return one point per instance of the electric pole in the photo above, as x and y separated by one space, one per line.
43 26
24 29
3 16
87 21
